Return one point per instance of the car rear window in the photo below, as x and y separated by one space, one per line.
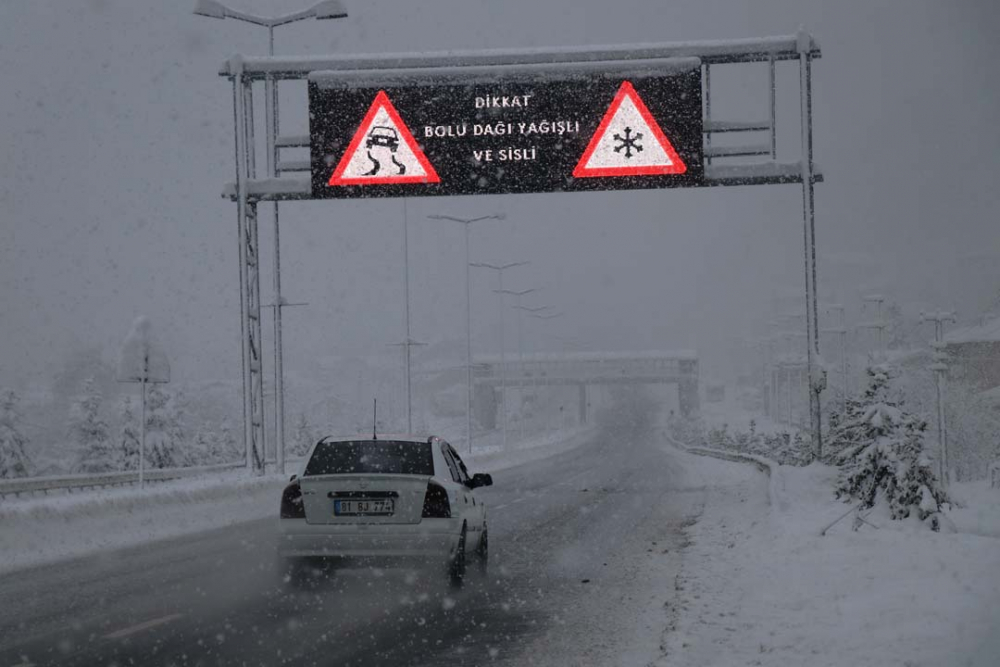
389 457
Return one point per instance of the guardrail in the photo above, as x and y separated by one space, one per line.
95 480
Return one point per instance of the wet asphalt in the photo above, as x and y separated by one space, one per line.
572 539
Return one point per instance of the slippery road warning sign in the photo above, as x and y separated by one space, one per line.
515 129
383 151
628 142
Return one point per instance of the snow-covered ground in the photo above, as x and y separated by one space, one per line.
760 586
45 529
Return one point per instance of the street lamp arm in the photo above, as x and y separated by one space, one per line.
468 221
502 267
515 292
328 9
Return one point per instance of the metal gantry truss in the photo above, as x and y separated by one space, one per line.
724 165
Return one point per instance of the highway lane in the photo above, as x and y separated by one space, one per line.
571 540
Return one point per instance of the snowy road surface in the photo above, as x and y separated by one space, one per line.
584 544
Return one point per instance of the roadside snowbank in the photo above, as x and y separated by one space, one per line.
49 528
760 586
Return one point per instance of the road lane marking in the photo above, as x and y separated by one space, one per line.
131 630
500 507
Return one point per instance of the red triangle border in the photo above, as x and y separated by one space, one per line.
382 100
627 90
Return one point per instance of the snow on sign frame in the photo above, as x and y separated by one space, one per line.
516 129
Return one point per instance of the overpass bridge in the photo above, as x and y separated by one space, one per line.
585 369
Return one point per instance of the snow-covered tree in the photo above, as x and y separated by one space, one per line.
229 449
879 447
202 449
164 434
897 337
14 460
304 436
90 432
128 436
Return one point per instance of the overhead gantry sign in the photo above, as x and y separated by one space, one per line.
512 121
524 128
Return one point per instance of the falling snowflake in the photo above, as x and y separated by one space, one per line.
628 142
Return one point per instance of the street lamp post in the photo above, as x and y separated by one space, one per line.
500 268
327 9
467 224
517 294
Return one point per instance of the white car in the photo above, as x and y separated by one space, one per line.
386 499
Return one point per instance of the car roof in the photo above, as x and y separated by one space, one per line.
394 437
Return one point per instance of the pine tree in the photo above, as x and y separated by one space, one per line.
14 460
880 449
163 444
90 432
303 436
128 436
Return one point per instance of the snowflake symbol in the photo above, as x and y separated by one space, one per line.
628 142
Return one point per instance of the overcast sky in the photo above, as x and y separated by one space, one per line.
117 139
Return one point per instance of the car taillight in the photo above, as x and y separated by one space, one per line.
291 502
436 505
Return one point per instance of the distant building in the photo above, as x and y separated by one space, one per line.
974 354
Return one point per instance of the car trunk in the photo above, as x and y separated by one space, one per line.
370 498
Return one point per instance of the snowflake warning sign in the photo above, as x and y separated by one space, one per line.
383 151
437 132
628 142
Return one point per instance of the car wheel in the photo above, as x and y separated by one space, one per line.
483 552
456 568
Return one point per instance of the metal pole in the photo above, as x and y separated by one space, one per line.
468 343
939 367
503 366
241 204
142 433
774 133
406 344
708 109
520 356
809 224
271 113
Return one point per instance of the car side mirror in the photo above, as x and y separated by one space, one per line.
480 479
293 478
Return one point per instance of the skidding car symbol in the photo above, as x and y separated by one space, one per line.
383 136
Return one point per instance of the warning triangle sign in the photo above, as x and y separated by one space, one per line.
628 142
383 151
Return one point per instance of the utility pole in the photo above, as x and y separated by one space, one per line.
500 268
940 367
841 331
520 353
467 224
877 324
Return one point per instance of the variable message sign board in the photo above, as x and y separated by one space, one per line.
511 130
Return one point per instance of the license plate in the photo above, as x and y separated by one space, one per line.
363 507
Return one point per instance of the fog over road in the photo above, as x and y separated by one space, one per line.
584 546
